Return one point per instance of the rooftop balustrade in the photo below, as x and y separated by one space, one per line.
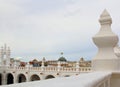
61 69
94 79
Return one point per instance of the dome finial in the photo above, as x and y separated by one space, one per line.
61 53
62 58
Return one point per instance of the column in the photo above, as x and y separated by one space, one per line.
8 56
42 65
59 66
77 66
15 78
1 56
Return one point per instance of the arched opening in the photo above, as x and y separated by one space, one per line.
21 78
10 78
0 79
49 77
34 77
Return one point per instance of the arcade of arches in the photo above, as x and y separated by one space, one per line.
34 77
21 78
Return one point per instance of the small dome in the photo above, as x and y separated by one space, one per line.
62 59
35 60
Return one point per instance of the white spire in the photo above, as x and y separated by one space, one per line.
105 40
105 13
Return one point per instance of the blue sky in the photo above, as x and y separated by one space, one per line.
44 28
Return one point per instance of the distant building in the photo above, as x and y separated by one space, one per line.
13 70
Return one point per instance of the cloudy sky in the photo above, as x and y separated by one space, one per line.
45 28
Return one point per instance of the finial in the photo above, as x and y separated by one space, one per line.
105 40
43 59
104 13
105 18
61 53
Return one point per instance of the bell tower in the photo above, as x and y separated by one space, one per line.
5 56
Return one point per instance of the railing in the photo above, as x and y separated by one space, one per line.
102 80
85 69
61 69
50 68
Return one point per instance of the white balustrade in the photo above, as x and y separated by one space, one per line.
52 68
